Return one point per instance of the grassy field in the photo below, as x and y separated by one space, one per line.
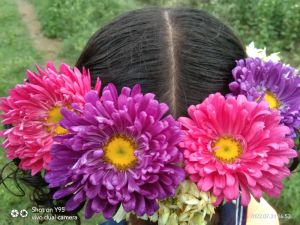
16 51
83 18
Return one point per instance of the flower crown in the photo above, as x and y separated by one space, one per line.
122 153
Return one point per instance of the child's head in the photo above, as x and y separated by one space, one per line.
181 55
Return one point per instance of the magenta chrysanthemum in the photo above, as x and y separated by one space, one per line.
120 149
32 109
234 146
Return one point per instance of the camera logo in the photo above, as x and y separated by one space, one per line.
23 213
15 213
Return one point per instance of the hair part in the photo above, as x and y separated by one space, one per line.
172 62
181 55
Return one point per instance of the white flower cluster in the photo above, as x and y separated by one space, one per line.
188 207
261 53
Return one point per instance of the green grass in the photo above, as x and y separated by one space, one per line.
287 204
74 21
16 51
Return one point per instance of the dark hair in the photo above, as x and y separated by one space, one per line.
181 55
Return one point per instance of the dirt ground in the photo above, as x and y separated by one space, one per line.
49 48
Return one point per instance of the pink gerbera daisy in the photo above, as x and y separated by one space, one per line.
32 109
233 146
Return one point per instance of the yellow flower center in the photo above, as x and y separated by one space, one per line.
119 151
272 100
54 117
227 149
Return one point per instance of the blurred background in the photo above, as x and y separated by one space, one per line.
35 31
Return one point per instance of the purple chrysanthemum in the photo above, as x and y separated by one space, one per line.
120 150
272 82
